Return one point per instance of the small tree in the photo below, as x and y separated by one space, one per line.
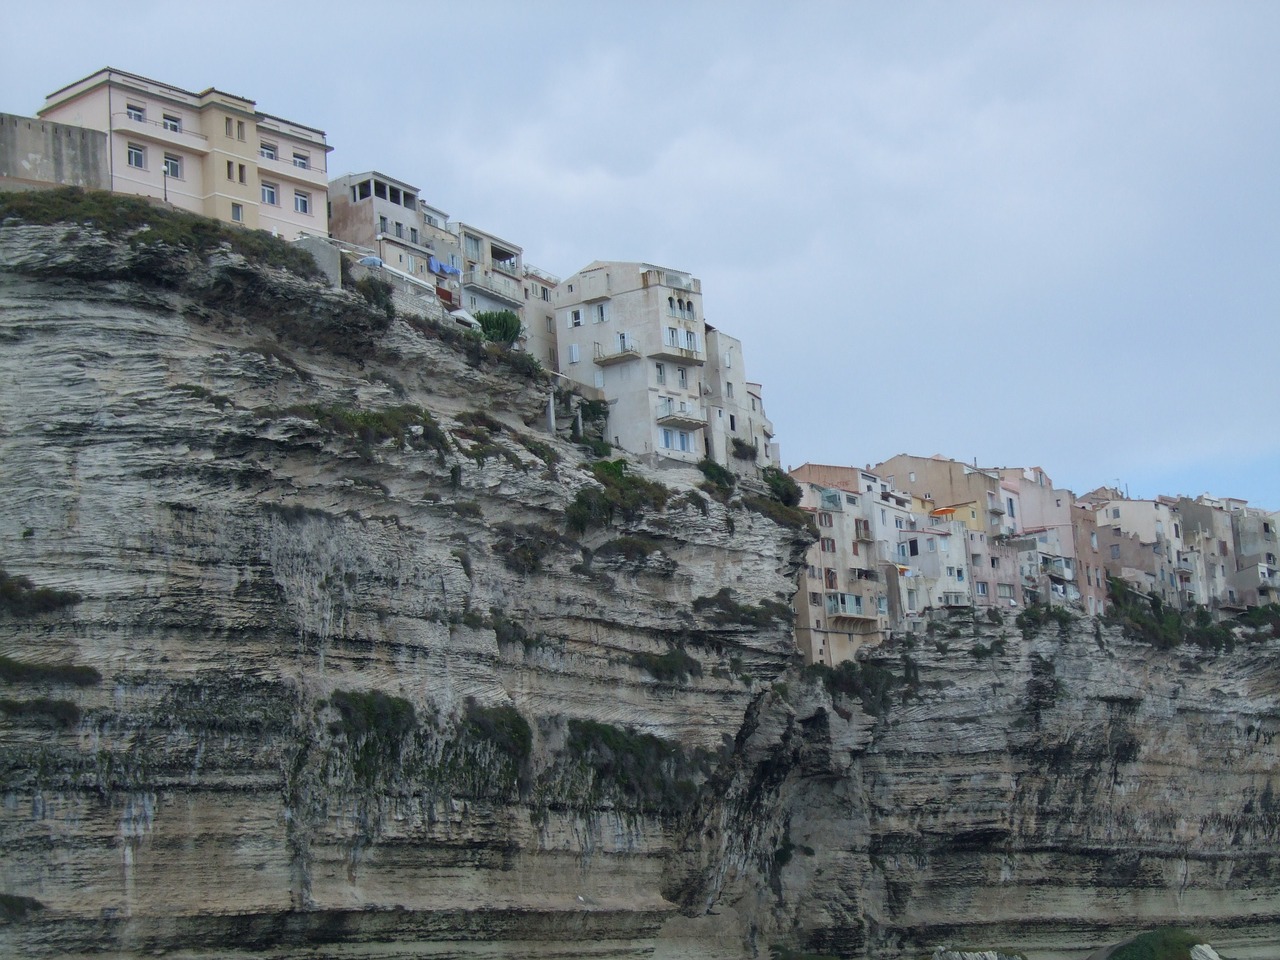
499 326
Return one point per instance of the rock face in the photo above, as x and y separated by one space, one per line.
314 638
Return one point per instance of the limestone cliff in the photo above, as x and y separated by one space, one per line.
313 638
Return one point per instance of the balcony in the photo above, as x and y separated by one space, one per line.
677 354
622 352
157 132
500 287
849 606
862 531
288 170
510 267
857 573
682 415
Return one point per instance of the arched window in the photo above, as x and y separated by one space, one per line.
671 305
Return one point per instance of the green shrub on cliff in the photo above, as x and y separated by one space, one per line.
636 770
20 597
1167 943
620 493
375 727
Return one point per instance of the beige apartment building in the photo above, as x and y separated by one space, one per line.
387 217
211 153
637 332
492 272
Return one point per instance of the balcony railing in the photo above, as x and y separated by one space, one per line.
682 415
677 354
286 169
621 353
159 132
500 287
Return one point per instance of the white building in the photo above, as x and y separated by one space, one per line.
637 332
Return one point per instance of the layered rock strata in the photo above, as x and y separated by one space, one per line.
315 641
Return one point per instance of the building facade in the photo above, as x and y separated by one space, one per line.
211 153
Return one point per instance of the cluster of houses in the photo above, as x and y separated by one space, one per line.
904 541
632 334
900 542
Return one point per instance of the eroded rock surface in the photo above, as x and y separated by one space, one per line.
311 658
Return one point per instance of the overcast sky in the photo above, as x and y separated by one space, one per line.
1030 233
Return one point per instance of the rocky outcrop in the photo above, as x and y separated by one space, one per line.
312 636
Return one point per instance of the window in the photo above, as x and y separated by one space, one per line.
825 520
850 499
897 522
575 318
728 390
668 438
301 202
242 175
690 340
172 123
685 440
231 170
267 151
733 423
882 604
827 545
815 599
598 313
237 213
472 246
1115 513
269 194
832 580
660 372
413 234
599 379
672 337
1004 591
301 160
933 545
574 355
995 563
383 225
546 294
239 129
399 230
980 588
913 547
682 377
135 112
172 166
228 119
1115 551
1093 539
137 156
911 600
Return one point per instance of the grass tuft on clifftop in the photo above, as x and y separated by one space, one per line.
144 223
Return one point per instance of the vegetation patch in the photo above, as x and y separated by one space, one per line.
1150 620
722 609
502 727
203 393
19 597
791 517
16 671
543 451
14 909
144 224
524 548
375 726
499 326
621 493
720 481
1167 943
397 424
480 420
1035 617
873 684
997 648
634 549
42 712
745 451
674 666
377 293
637 770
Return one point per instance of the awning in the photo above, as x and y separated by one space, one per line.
942 511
